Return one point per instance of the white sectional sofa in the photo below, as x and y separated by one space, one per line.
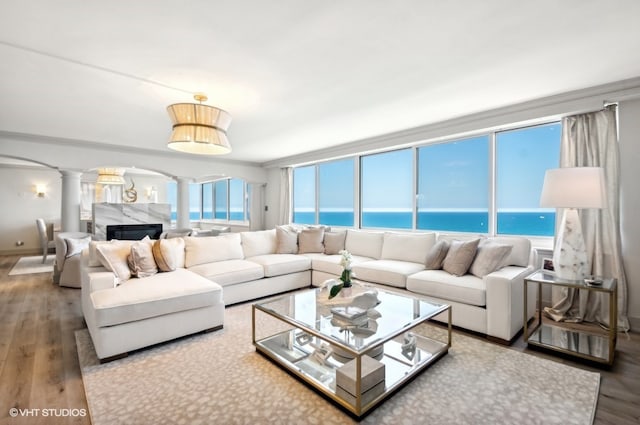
231 268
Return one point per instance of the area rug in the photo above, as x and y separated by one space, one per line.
29 265
218 378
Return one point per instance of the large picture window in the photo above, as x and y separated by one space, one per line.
387 189
453 185
522 157
335 193
489 183
304 195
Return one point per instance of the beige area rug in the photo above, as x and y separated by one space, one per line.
218 378
29 265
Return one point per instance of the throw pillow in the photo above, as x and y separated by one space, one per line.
460 257
140 260
75 246
113 257
286 240
490 257
334 242
310 240
169 254
437 254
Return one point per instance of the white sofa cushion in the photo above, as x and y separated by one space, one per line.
467 289
364 244
162 293
331 263
279 264
210 249
411 247
520 253
259 243
387 272
230 272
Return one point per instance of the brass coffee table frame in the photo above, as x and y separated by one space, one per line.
430 350
539 334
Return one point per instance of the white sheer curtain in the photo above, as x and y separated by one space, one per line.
590 140
286 183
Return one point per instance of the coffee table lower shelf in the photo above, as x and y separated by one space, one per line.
298 359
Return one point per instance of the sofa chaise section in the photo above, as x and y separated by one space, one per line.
146 311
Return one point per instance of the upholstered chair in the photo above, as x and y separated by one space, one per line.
69 246
46 238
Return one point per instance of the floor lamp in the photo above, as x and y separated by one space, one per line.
570 189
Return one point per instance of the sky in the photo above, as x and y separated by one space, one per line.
452 175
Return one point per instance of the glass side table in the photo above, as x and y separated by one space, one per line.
587 342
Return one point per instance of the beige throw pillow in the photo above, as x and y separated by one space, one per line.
334 242
140 260
310 240
436 255
460 257
169 254
286 240
490 257
113 257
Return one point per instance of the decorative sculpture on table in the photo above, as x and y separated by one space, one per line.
130 195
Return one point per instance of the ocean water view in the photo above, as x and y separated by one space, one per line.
528 223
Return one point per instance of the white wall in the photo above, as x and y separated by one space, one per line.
21 207
629 113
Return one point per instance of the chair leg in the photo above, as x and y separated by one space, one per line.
44 255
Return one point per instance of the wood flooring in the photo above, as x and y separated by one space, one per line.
39 363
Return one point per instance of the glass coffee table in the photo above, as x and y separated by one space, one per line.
355 359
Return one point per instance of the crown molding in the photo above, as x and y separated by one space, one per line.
87 144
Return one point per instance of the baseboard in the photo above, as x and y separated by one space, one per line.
23 252
634 322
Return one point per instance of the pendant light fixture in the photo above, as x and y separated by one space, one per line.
198 128
110 175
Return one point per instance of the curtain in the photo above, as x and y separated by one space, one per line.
286 179
590 140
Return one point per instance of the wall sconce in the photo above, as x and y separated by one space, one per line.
41 190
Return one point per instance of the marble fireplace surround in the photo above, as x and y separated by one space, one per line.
105 214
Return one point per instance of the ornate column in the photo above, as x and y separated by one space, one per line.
183 221
71 195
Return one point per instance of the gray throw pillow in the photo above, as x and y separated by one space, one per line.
140 260
436 255
460 256
490 257
334 242
75 246
310 240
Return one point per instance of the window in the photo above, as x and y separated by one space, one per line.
236 200
195 202
207 201
387 189
453 186
522 157
172 198
335 193
304 195
221 205
449 186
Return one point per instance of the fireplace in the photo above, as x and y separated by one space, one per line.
133 232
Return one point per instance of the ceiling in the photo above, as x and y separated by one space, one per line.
296 76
